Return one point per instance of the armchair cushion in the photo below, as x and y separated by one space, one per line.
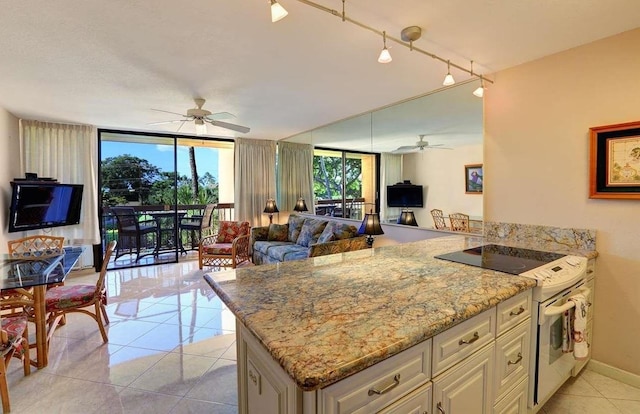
278 232
229 230
311 231
219 248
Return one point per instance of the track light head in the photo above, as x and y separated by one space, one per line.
448 80
277 11
385 56
479 92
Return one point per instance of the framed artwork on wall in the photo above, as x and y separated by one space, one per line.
473 178
614 168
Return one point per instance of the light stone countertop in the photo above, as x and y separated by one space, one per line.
328 317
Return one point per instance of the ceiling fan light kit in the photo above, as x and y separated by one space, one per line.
201 117
407 36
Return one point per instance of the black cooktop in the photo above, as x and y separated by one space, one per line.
513 260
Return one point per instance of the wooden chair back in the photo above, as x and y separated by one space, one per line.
438 219
35 247
459 222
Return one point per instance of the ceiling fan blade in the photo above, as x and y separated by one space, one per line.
434 147
404 150
181 125
167 122
226 125
220 115
168 112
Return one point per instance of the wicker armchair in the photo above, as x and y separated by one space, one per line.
228 248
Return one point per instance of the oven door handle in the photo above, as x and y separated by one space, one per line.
557 310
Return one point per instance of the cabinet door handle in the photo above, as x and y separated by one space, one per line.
469 341
395 383
440 408
518 312
510 362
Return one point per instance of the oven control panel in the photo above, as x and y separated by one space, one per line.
557 275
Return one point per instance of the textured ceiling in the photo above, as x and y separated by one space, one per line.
110 63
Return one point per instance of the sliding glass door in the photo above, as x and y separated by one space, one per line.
149 184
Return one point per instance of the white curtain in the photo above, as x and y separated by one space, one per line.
255 179
68 153
390 173
295 174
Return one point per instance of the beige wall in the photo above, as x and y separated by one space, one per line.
441 172
10 160
537 118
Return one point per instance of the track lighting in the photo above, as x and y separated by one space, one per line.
479 92
385 56
277 11
408 36
448 80
201 127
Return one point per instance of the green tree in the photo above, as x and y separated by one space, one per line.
328 179
127 178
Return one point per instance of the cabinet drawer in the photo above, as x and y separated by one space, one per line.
418 402
379 385
513 311
453 345
512 357
515 402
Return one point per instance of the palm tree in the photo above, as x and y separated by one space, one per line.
194 174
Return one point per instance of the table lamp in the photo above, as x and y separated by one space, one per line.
300 205
271 209
371 226
407 218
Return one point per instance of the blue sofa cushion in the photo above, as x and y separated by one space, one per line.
327 234
288 252
295 226
311 231
263 246
343 231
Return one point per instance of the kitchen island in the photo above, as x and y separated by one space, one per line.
325 319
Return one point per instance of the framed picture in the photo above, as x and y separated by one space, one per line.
614 167
473 178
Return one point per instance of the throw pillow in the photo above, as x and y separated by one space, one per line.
311 230
327 234
278 232
344 231
295 225
229 230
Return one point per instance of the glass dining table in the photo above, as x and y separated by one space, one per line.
37 272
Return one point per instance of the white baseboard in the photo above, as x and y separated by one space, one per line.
615 373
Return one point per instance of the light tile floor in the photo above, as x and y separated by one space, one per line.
172 350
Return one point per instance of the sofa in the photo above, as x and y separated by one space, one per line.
303 237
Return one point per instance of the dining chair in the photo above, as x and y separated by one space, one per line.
459 222
228 248
62 300
132 233
198 223
14 343
438 219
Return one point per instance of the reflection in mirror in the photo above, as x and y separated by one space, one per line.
450 121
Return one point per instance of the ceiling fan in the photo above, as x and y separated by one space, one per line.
419 146
201 117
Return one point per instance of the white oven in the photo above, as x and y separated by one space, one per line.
551 363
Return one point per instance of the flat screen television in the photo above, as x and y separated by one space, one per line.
38 205
405 195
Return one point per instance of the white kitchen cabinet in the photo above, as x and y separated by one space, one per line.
466 388
418 402
515 402
475 373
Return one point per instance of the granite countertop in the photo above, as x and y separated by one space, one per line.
328 317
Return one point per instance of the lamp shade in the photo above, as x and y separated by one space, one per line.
407 218
301 205
277 11
371 224
271 207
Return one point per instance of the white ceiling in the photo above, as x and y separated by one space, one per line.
108 63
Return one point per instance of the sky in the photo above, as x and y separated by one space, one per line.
162 156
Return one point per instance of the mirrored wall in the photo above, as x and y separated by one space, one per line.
450 123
